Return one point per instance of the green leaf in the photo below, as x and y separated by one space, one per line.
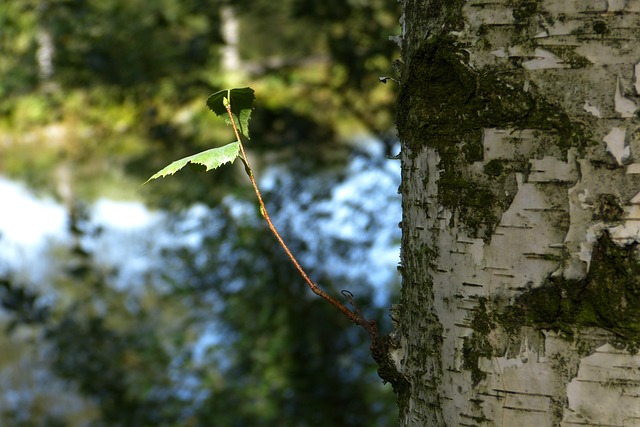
241 100
211 159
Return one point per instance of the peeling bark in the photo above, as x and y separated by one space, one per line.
521 213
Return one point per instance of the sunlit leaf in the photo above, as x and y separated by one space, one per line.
241 101
211 159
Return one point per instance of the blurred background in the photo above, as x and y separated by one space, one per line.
170 304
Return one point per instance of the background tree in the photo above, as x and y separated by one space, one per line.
519 130
122 95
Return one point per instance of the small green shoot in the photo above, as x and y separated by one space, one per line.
235 107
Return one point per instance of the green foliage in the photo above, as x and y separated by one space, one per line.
240 100
133 44
283 359
211 159
240 103
125 371
148 65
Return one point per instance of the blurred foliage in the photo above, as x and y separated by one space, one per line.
322 60
281 357
125 95
293 361
129 79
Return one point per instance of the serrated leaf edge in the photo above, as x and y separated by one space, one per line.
197 158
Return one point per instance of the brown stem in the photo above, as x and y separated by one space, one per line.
369 326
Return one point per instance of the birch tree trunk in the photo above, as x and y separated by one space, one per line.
521 197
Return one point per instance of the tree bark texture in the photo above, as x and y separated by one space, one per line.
521 213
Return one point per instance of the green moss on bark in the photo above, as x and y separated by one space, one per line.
430 16
608 208
445 104
523 11
477 345
608 298
570 57
381 351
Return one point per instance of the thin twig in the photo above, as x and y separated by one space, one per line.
357 318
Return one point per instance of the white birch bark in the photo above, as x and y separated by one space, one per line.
46 50
499 324
231 62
